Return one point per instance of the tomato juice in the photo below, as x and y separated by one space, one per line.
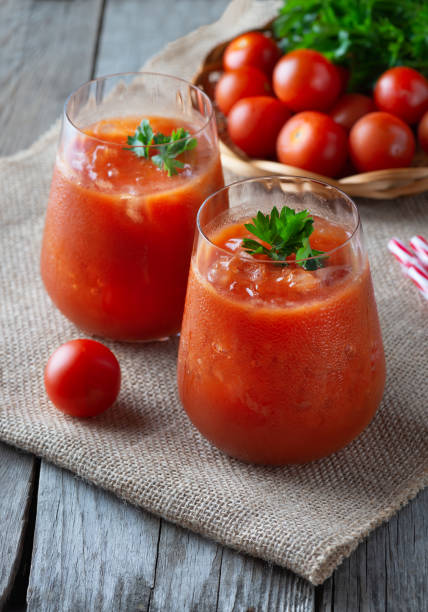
278 364
119 230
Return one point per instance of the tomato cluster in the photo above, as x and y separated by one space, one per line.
293 107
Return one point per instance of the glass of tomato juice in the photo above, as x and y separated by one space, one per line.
122 207
280 364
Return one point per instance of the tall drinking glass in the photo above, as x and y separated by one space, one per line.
120 223
277 363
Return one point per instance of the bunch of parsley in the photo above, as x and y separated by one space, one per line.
365 36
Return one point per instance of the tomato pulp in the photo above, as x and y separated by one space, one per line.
279 364
119 231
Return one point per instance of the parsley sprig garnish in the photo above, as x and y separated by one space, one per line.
167 147
286 232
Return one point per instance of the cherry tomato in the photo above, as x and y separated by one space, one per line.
314 142
241 83
423 132
380 140
252 49
305 80
254 124
351 107
82 378
403 92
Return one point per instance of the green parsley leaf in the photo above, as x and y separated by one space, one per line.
143 136
167 147
286 232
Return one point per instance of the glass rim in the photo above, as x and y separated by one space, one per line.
137 73
298 179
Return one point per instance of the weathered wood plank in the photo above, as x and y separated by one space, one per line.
47 49
134 30
251 584
187 572
193 573
16 473
389 570
90 551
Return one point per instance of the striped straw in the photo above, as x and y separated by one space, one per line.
405 256
420 247
412 263
420 278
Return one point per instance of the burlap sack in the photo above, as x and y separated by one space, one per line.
306 518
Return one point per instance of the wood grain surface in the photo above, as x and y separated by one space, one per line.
389 570
90 551
134 30
47 50
251 584
16 472
187 571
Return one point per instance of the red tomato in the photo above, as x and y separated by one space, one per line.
351 107
252 49
314 142
241 83
305 80
403 92
82 378
380 140
254 124
423 132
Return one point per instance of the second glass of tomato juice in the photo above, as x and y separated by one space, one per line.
281 357
138 154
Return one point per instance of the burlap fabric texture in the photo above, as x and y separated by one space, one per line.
306 518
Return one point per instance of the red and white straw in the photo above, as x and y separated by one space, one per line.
405 256
414 263
419 277
420 247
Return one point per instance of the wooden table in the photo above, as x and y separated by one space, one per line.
67 546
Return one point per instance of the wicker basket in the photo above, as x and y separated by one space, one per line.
380 184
